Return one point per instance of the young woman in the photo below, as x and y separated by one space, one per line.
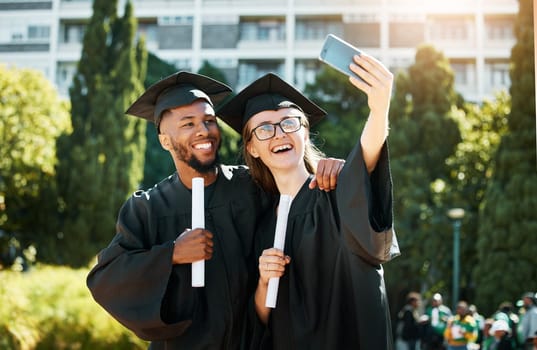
331 293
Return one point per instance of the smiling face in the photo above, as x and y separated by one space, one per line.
191 134
284 151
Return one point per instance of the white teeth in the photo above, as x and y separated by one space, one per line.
203 145
281 148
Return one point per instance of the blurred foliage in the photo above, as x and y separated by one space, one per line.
424 133
347 112
101 162
470 171
506 258
158 162
51 308
32 116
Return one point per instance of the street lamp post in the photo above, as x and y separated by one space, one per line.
456 215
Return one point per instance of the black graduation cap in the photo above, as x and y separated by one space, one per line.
269 92
179 89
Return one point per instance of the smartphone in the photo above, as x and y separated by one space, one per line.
338 54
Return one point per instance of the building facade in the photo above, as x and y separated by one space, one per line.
247 38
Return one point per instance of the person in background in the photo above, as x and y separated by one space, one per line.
409 321
499 337
506 312
143 278
461 329
528 322
438 315
480 322
488 337
331 291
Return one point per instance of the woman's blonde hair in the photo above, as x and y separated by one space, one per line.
261 173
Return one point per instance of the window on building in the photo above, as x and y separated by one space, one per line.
406 34
449 30
368 34
305 72
251 70
461 73
73 33
268 30
499 29
316 29
175 20
149 31
499 74
64 76
465 74
38 33
17 36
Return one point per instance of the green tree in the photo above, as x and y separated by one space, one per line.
32 115
508 220
470 172
212 71
424 135
101 161
157 69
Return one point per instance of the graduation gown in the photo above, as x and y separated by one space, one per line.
135 281
332 295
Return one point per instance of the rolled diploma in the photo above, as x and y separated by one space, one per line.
198 221
279 243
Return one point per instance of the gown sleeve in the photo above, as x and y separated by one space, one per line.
131 276
365 208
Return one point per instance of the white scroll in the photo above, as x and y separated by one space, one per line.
279 243
198 221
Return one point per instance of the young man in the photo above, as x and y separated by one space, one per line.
143 278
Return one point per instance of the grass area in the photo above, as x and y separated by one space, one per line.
51 308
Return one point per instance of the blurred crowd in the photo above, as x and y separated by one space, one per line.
437 327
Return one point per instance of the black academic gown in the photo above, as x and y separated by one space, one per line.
332 295
135 281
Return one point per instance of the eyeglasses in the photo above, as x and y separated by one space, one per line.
268 131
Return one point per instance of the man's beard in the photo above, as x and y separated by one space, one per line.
202 168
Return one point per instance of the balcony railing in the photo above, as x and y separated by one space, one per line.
25 5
